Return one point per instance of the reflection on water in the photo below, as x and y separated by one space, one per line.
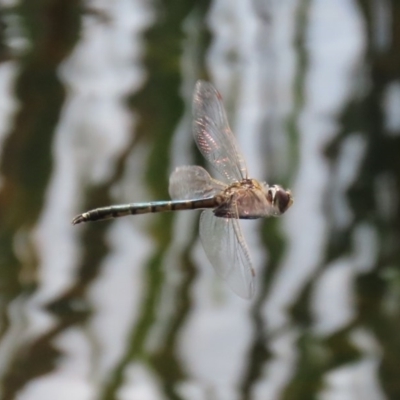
95 110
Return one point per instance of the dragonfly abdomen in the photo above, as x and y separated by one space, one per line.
144 208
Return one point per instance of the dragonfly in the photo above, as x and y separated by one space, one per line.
224 201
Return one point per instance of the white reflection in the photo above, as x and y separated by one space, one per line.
347 169
354 381
9 103
141 384
391 108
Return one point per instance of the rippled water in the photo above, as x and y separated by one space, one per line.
96 109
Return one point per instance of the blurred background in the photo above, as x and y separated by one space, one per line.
95 109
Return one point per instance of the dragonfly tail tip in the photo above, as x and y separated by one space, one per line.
78 219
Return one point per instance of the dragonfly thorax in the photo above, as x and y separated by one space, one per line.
245 184
250 199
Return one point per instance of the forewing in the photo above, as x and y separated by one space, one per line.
213 135
193 182
227 251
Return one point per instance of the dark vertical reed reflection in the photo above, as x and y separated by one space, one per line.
158 120
26 164
4 49
374 289
166 360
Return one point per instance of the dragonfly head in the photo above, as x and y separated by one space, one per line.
279 198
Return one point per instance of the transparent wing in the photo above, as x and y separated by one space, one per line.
227 251
213 135
193 182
